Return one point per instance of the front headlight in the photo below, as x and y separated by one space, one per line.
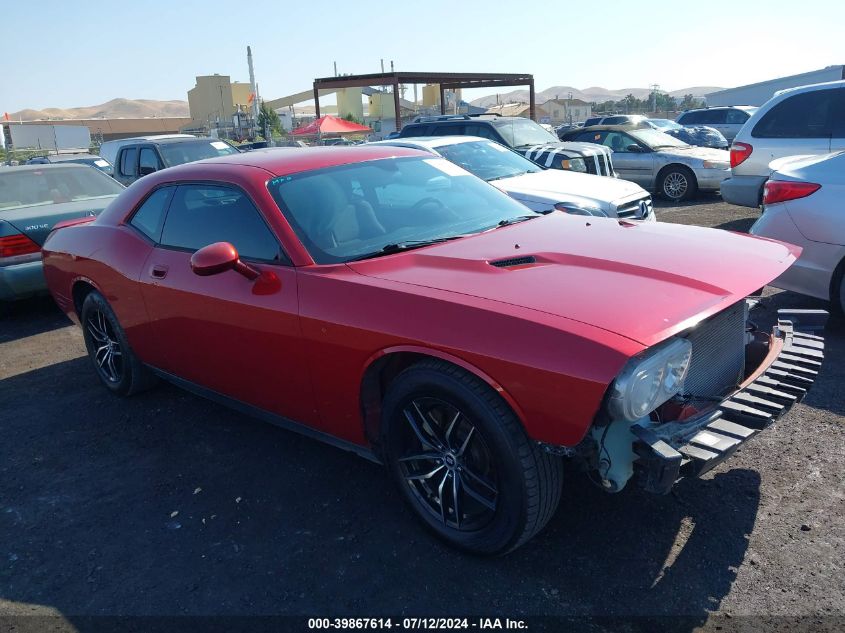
648 381
579 208
715 164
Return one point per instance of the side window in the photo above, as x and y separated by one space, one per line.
837 124
414 130
200 215
714 117
690 118
737 117
483 131
618 142
806 115
449 130
148 162
150 215
592 137
129 161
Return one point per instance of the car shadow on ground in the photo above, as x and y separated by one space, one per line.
19 319
169 504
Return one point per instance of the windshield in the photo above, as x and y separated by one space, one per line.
656 139
31 187
189 151
665 124
354 211
521 132
487 160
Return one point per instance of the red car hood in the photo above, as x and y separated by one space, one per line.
642 281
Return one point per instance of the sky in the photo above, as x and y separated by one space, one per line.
68 54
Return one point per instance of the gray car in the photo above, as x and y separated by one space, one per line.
657 161
727 119
33 198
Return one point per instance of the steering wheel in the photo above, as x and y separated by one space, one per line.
440 207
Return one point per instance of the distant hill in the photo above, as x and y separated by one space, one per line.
597 94
114 109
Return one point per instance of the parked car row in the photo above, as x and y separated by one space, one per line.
539 189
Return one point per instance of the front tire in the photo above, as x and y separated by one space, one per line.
463 462
677 183
117 366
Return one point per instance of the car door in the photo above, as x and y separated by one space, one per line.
148 161
224 332
126 166
717 119
636 166
734 120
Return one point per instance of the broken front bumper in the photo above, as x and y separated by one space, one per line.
674 450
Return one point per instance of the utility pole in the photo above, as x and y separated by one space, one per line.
654 89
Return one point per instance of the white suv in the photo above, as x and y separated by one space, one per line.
805 120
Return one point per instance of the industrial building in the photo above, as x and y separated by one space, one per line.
218 103
757 94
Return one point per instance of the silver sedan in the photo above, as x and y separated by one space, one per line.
657 161
803 204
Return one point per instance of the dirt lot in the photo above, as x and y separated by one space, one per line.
166 504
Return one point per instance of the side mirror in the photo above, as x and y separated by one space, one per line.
146 170
218 258
634 149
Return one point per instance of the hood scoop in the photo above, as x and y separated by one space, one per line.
513 262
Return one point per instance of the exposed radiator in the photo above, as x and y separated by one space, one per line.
718 354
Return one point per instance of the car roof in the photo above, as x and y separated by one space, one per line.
618 127
429 141
727 107
64 157
43 166
483 118
298 159
149 137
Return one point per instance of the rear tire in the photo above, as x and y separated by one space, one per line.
677 183
837 291
447 436
117 366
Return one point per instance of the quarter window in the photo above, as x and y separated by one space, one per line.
200 215
807 115
737 117
150 215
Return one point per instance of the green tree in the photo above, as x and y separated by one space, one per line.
351 117
268 120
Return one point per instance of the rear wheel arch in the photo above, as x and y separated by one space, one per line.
837 294
384 367
80 289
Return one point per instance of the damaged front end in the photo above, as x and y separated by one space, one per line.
686 405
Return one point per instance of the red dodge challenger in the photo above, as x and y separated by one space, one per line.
390 303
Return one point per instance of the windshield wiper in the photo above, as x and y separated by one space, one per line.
518 219
513 175
398 247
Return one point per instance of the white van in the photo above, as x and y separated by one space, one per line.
807 120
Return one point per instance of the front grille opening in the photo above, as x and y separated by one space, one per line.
514 261
718 354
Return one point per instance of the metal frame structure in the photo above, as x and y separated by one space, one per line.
446 81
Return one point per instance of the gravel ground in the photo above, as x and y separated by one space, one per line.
166 504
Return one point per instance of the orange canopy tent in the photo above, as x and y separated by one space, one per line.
329 124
